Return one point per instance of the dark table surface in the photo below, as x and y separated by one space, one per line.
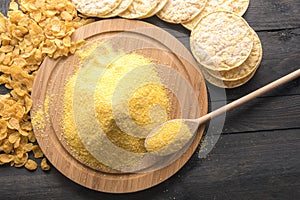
258 153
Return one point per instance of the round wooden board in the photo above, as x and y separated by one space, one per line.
153 40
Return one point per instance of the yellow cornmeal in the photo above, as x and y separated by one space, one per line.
144 99
169 138
40 117
46 106
70 132
38 120
107 111
84 53
105 90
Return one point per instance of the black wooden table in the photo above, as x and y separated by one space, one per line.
258 154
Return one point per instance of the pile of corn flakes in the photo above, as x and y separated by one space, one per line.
33 30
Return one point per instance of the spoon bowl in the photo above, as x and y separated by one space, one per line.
171 136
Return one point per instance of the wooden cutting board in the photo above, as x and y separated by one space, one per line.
144 38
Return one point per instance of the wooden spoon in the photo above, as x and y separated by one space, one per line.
193 124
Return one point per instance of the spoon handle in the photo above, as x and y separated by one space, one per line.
250 96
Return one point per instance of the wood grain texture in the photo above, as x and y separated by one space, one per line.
242 166
275 114
4 7
285 15
249 164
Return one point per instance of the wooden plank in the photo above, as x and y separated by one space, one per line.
265 15
261 114
245 166
4 6
261 165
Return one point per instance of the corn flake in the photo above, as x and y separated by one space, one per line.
6 49
17 143
44 165
28 147
31 165
14 137
4 158
3 129
31 136
13 123
13 6
3 22
37 152
33 30
26 125
20 159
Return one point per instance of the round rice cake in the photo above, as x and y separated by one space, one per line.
226 84
180 11
121 8
210 6
221 41
238 7
250 65
95 8
139 9
158 8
